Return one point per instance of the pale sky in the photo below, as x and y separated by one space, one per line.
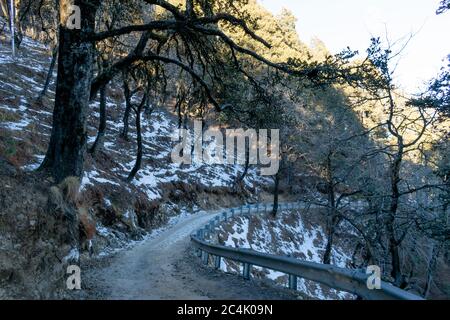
342 23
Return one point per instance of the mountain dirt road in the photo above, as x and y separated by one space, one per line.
165 267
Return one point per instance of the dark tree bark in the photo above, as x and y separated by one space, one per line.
276 194
246 166
128 107
178 107
49 77
99 140
181 97
394 244
396 164
138 162
65 154
333 221
240 178
333 217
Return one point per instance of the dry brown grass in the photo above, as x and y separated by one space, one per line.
92 196
17 152
70 189
8 116
87 223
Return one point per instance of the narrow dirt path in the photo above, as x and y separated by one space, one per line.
165 268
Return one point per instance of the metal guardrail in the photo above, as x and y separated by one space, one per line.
349 280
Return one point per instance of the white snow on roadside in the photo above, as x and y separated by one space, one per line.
238 239
74 255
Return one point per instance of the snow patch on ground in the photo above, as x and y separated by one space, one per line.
74 255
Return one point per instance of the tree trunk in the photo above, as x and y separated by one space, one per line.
65 154
126 116
330 239
49 73
138 162
98 144
178 107
275 194
395 254
332 224
333 218
247 165
396 272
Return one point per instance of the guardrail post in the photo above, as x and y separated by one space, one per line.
246 271
249 209
292 282
225 216
257 208
199 235
205 257
217 260
242 210
205 231
265 208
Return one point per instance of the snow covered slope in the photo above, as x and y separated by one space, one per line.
291 233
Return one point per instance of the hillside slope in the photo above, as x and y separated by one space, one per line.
299 234
109 213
